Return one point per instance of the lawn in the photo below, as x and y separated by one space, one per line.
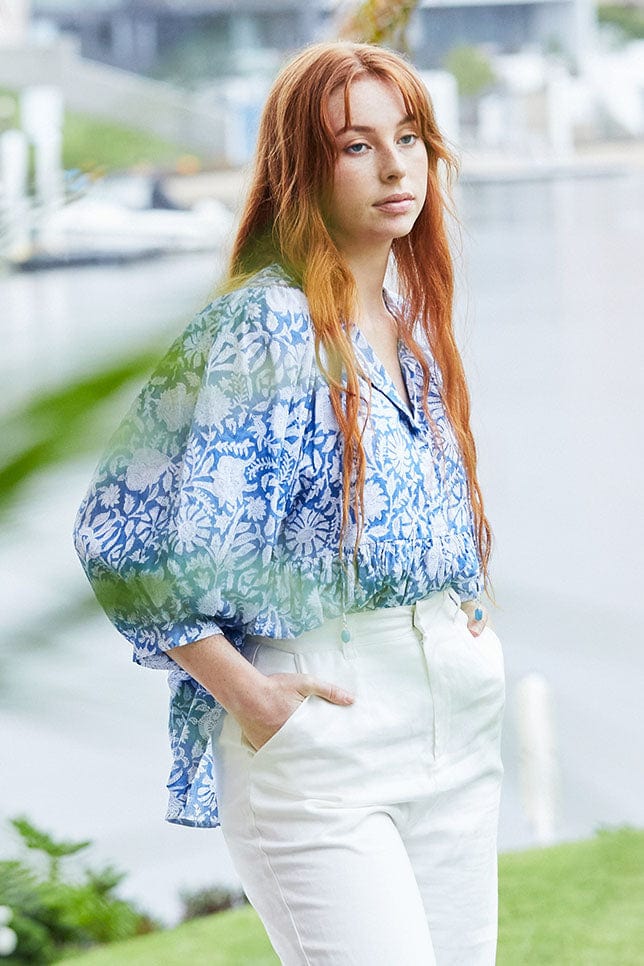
93 144
227 939
576 904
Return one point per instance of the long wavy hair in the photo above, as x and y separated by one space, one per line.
283 221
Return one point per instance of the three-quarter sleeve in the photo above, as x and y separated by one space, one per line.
178 527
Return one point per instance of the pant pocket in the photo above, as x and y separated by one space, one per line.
283 732
272 660
472 669
490 651
486 649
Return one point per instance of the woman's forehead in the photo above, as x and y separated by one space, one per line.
364 101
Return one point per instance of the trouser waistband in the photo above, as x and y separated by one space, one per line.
367 626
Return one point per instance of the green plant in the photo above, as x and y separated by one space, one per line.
472 69
379 22
628 18
52 913
39 841
9 113
63 422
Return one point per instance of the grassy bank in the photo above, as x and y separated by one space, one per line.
93 144
577 904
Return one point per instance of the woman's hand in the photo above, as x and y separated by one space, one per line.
282 696
477 616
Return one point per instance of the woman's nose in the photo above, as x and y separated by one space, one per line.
392 165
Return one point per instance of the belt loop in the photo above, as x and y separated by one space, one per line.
456 601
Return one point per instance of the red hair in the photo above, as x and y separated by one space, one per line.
283 221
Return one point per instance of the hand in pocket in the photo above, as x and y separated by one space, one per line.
282 697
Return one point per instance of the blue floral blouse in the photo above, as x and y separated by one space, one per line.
217 505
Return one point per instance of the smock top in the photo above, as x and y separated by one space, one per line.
217 505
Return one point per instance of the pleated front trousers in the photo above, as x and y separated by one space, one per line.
366 835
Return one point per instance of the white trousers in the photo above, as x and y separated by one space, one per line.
366 835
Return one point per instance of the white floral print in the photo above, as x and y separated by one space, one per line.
217 505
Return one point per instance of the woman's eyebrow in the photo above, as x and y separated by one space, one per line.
363 129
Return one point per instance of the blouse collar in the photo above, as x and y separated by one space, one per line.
380 378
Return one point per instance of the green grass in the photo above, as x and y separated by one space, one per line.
93 144
229 938
577 904
90 143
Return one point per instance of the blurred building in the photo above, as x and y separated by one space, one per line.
503 27
142 35
137 34
14 19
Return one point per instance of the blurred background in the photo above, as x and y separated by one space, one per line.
126 128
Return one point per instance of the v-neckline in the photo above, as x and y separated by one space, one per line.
383 380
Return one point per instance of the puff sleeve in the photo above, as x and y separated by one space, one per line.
178 527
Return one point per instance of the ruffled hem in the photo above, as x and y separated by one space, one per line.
389 573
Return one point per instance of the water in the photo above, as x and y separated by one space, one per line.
62 323
555 355
549 312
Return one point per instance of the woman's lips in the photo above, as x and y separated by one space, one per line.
396 207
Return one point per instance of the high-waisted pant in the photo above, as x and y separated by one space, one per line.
366 834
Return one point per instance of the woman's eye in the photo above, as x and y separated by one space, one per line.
355 148
409 138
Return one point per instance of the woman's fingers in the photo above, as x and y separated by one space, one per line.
287 688
333 693
477 616
306 684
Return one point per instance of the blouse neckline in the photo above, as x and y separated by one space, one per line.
380 377
378 374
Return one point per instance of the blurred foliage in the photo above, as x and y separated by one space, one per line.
51 429
52 914
9 111
628 17
209 900
34 838
62 423
472 69
94 145
379 22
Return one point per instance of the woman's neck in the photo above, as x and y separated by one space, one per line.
369 274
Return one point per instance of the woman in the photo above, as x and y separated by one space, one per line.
289 520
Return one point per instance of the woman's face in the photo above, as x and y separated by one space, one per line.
380 175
